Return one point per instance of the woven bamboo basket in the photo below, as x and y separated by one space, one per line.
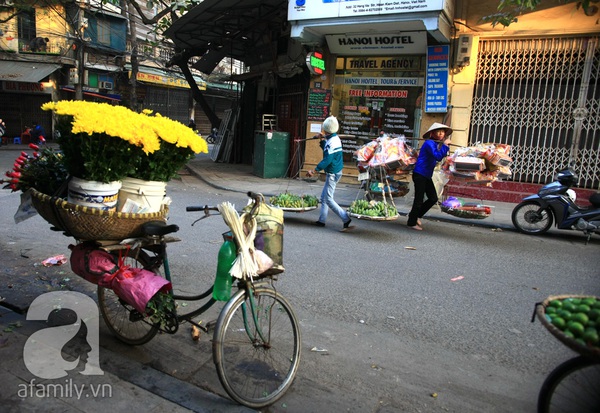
540 311
85 223
464 214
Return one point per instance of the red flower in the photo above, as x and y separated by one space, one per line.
42 139
34 146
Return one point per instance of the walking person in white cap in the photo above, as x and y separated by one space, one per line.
332 164
433 150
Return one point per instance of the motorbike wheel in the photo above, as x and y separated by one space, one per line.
530 218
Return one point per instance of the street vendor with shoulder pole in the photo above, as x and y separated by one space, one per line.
433 150
332 164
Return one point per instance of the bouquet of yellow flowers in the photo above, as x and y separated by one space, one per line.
105 143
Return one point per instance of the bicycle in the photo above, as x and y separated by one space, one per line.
573 386
256 341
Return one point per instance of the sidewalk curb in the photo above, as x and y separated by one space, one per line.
433 214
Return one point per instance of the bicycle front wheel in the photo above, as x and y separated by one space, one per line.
256 347
573 387
124 321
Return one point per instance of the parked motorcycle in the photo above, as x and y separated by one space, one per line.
212 137
555 203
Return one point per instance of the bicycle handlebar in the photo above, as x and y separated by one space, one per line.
256 197
205 208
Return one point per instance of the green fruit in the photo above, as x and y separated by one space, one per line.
588 301
555 304
569 306
593 313
564 314
591 336
568 334
559 322
576 328
583 308
580 318
550 310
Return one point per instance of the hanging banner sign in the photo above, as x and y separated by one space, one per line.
436 92
378 44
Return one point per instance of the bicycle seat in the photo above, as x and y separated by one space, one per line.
159 228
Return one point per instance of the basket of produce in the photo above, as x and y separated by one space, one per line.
85 223
460 209
372 210
294 203
574 320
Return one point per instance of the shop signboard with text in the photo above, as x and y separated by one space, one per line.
378 43
436 96
322 9
377 95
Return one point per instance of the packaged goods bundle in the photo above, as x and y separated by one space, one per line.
392 153
481 163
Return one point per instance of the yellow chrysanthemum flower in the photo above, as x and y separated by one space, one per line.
139 129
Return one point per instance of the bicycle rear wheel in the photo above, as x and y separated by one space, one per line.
573 386
256 366
124 321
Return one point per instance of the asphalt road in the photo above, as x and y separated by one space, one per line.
392 319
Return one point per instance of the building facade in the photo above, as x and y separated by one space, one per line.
397 67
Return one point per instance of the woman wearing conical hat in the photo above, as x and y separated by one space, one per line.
433 150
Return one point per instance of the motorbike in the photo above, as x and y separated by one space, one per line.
212 137
555 203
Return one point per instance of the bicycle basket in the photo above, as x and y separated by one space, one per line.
85 223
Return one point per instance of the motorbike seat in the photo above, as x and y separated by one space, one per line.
595 199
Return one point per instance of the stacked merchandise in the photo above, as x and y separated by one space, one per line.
391 153
481 163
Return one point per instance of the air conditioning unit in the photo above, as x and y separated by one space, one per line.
105 85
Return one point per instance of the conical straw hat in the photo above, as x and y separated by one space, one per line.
438 125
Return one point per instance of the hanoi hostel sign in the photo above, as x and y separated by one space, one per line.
378 44
322 9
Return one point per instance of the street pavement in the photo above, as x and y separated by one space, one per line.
131 383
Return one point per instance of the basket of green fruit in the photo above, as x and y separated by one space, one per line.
372 210
574 320
294 203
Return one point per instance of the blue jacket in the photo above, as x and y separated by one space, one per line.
333 157
430 154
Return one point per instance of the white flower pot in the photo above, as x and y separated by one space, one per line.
140 196
94 194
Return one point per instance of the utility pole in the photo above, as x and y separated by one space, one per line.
82 26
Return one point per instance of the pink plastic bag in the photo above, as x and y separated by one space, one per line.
137 286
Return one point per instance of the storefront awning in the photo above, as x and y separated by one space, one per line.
114 98
30 72
243 29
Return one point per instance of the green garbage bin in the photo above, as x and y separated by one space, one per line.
271 154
